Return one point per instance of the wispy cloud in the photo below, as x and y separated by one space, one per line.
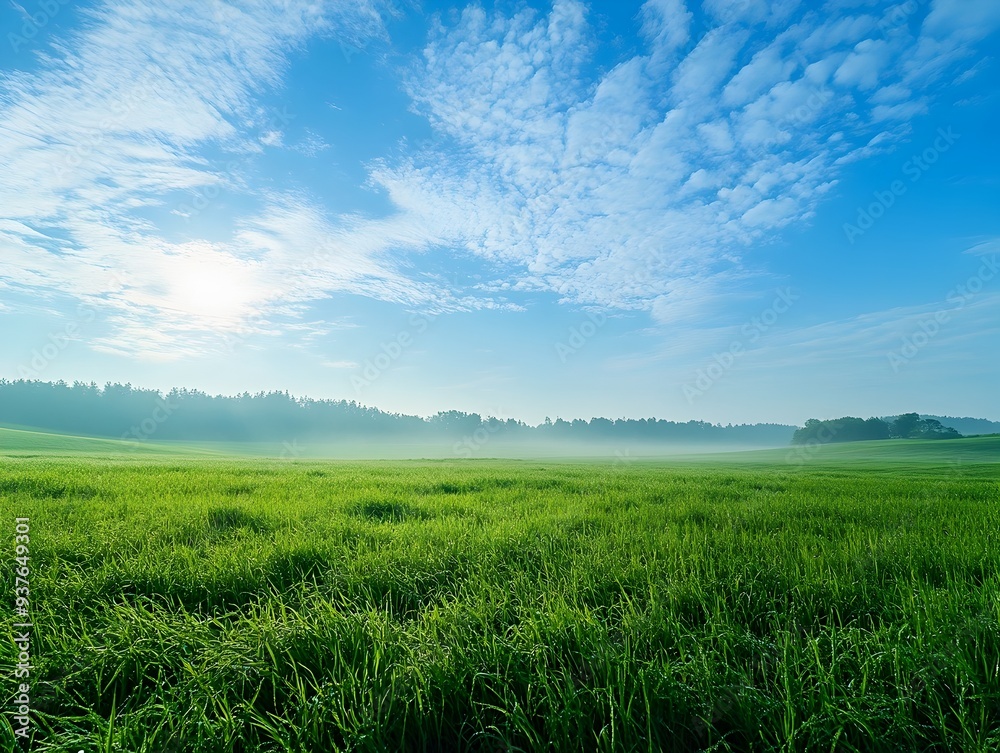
677 160
97 145
875 345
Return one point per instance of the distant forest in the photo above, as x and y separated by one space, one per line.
850 429
122 411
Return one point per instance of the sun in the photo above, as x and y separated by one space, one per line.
211 287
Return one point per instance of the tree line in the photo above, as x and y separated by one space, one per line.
851 429
124 411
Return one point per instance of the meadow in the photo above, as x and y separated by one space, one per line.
845 598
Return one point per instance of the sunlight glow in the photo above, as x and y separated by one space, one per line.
211 287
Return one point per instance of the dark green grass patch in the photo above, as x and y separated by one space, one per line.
227 518
387 512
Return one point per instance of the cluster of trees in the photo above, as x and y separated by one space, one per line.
850 429
967 426
912 426
122 411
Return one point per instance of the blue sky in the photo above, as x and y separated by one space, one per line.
730 211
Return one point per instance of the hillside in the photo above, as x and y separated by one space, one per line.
18 442
955 457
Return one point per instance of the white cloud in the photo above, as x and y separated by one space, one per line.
751 11
666 25
878 144
851 347
891 94
904 111
641 187
771 212
717 135
272 138
576 182
767 68
948 34
967 20
862 68
707 66
311 145
872 336
116 120
988 247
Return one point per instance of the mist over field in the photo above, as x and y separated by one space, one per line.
318 428
280 425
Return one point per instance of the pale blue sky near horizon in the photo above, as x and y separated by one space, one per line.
728 211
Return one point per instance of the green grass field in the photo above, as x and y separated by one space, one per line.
844 598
